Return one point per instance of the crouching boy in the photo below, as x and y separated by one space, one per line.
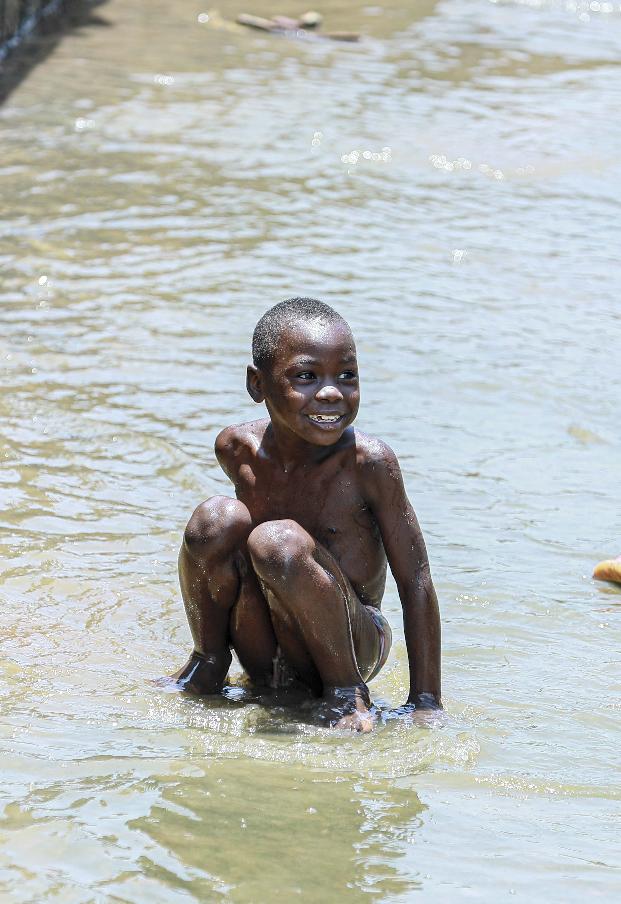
290 574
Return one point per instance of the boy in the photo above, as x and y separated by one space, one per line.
291 573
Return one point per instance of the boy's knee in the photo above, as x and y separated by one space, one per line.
216 524
278 547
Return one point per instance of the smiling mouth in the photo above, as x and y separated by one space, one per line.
326 419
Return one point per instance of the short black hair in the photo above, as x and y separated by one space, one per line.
286 313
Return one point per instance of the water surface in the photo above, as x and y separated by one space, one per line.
451 184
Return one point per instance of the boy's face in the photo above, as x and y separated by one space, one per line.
311 388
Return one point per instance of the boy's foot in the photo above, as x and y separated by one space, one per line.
200 675
608 570
364 722
349 708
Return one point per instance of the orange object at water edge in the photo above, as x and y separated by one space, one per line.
608 570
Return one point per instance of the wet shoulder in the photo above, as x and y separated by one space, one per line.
374 458
235 444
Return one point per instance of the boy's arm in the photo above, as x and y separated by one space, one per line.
407 557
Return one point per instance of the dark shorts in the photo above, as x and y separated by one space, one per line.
384 639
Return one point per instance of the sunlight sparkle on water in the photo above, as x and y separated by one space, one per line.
81 124
582 9
354 156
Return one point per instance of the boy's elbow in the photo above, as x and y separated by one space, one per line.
418 587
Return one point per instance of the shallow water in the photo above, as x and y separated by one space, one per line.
163 182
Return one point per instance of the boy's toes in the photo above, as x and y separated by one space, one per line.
363 722
349 708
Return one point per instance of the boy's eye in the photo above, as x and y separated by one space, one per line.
348 375
306 375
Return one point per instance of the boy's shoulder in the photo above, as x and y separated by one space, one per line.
379 471
239 440
373 454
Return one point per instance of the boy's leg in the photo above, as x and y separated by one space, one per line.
217 583
322 628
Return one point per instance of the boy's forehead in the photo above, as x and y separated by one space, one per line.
315 336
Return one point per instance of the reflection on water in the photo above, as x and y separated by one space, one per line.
210 829
450 184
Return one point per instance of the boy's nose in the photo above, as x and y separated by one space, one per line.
329 393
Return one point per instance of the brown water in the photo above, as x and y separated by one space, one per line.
163 181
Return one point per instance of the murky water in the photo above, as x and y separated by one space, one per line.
163 182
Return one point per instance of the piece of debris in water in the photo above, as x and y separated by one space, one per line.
309 21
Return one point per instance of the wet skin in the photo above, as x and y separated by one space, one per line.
296 560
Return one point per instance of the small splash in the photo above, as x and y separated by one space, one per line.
82 124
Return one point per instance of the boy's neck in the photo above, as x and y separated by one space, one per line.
291 452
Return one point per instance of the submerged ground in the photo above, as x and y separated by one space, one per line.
451 184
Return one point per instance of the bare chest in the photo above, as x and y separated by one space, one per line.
323 501
328 503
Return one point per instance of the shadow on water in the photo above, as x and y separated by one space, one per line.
16 62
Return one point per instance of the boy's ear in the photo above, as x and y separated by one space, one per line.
254 383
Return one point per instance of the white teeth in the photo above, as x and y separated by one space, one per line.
325 418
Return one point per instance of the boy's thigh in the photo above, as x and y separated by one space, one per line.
251 632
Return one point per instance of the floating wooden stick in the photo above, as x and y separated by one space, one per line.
307 22
256 22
